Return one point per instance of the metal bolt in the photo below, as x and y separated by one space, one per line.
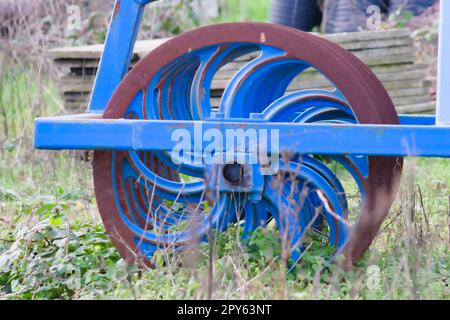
233 173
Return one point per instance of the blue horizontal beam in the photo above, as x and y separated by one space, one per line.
385 140
421 120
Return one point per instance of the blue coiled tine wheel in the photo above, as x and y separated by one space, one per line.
150 203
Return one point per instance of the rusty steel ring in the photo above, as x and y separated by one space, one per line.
364 94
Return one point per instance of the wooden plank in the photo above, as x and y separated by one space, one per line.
318 79
75 105
407 92
401 67
215 102
368 52
389 53
88 56
94 51
76 87
408 89
76 96
226 73
385 43
396 76
388 57
421 103
396 85
143 47
421 107
76 83
77 63
311 80
350 41
80 52
366 39
402 106
406 101
385 52
387 60
70 79
399 88
341 38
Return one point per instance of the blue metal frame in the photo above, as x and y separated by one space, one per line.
443 98
118 51
388 140
415 136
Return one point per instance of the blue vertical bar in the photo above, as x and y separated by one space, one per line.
443 99
118 51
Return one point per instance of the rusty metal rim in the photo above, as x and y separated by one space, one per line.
364 92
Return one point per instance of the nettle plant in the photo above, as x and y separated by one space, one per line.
171 17
44 256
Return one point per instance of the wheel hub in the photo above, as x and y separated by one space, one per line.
233 173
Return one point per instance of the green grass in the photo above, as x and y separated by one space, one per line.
52 244
250 10
52 247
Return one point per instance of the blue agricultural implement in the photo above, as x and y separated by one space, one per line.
151 200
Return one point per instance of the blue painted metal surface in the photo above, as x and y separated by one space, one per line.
118 51
420 120
403 140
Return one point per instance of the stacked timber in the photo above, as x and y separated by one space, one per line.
389 53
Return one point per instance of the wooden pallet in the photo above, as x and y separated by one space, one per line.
389 54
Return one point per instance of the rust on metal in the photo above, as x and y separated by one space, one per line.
116 9
366 95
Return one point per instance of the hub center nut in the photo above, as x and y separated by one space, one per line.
233 173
